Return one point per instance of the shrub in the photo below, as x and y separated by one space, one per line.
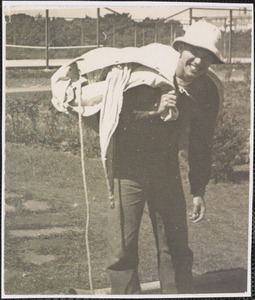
31 119
228 146
231 140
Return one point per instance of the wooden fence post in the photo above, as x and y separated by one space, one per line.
47 38
230 37
135 36
190 16
156 33
98 27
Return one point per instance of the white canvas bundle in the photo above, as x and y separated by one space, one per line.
159 62
102 75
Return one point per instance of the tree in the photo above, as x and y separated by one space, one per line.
24 30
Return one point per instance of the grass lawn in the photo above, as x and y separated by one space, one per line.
30 78
45 249
45 210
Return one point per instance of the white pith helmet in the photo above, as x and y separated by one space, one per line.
203 35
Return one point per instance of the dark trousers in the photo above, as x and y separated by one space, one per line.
167 208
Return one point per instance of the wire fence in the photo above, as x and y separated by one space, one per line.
45 37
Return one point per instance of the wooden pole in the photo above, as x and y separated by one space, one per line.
135 35
190 16
47 38
156 33
113 34
98 27
230 37
172 33
225 36
82 32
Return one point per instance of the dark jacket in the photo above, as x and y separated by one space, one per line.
143 142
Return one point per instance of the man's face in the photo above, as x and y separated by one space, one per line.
193 62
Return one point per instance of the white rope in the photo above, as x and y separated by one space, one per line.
85 188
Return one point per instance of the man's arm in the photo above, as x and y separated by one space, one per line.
200 147
167 100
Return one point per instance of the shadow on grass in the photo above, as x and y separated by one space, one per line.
240 176
215 282
222 281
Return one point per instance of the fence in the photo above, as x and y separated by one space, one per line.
120 30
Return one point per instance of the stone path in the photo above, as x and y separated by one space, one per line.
34 233
28 89
33 206
32 257
232 280
34 63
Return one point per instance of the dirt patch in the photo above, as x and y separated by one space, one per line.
33 205
9 208
44 232
12 196
36 259
24 89
41 220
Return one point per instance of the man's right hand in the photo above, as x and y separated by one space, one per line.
167 101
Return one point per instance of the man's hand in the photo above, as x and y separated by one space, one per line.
199 209
167 100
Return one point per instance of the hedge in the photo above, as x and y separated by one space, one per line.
31 119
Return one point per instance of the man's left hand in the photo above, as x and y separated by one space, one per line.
199 209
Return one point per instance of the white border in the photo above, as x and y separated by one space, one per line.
3 152
64 4
126 3
250 237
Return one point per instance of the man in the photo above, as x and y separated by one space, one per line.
147 97
146 167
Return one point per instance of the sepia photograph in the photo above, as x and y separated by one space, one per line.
127 154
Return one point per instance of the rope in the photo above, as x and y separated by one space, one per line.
85 189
